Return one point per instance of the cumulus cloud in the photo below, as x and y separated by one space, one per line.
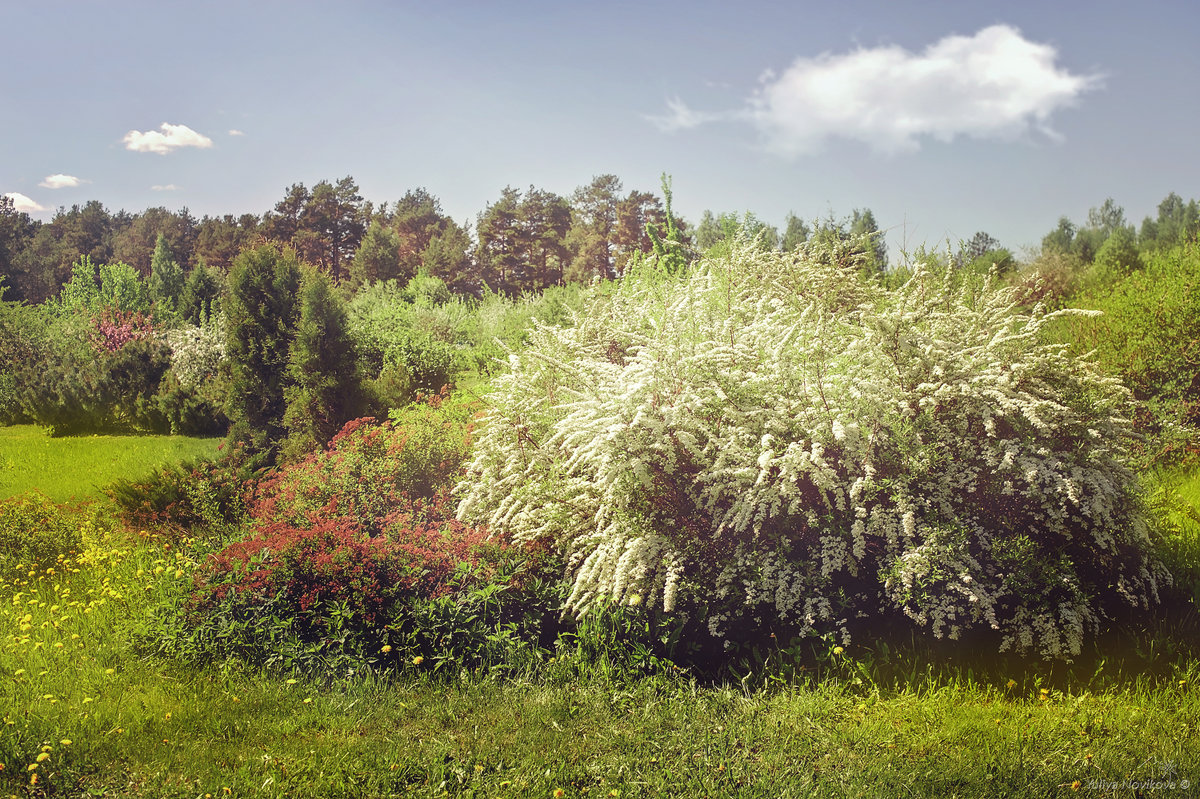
60 181
167 187
23 203
994 84
168 137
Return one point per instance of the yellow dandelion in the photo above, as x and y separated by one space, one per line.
32 767
1075 786
1011 684
837 650
559 792
43 757
66 742
418 660
386 648
291 681
33 779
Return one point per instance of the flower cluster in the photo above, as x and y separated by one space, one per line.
196 352
113 329
778 439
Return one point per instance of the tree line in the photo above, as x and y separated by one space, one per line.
526 240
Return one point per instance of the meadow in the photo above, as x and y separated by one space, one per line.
409 605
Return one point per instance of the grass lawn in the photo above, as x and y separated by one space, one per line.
77 467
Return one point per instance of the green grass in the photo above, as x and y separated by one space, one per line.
78 467
113 720
138 726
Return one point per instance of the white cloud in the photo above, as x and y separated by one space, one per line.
168 187
236 132
60 181
23 203
167 138
680 117
995 84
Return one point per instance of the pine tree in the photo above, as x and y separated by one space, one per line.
166 278
325 388
201 297
260 314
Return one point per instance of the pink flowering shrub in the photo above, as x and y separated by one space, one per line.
112 329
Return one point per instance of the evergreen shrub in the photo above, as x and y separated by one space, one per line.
768 442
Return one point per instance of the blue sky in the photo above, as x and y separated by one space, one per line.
944 118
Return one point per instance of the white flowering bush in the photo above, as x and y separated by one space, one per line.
196 352
768 440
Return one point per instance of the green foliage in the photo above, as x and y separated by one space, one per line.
1147 334
166 283
78 388
182 499
325 385
36 533
260 312
378 256
201 297
771 442
24 336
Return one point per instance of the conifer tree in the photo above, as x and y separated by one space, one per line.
201 296
166 278
260 314
325 388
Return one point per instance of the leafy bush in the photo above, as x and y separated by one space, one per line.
1147 334
183 498
370 469
35 532
73 388
771 442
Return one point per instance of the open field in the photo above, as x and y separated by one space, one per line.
79 684
77 467
114 722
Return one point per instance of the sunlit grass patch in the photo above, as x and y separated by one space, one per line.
78 467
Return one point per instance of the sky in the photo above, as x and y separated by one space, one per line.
943 118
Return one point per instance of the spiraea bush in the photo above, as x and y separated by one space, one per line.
769 442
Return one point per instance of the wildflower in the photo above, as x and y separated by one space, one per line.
31 767
559 792
66 742
635 600
837 650
386 648
291 681
33 779
43 757
1075 786
418 660
1011 684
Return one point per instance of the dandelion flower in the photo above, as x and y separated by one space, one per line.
291 681
1075 786
1011 684
32 767
837 650
66 742
386 648
43 757
559 792
418 660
